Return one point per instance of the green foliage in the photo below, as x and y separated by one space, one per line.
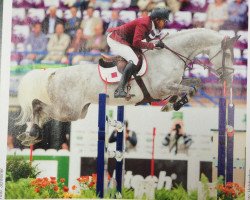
193 195
205 181
88 194
17 70
20 189
128 193
177 193
17 167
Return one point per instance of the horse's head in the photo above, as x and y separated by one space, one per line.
222 57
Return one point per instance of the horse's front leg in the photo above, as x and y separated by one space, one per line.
192 82
176 91
34 133
180 90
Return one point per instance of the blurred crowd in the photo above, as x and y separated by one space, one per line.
74 31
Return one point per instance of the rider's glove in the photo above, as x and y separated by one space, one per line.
160 44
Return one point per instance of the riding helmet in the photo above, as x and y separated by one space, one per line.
160 13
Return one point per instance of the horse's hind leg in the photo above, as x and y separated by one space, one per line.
33 133
84 111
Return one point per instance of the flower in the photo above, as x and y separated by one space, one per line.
94 177
46 179
67 195
230 190
53 181
65 189
91 184
44 184
62 180
56 188
37 190
74 187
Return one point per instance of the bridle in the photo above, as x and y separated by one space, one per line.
222 72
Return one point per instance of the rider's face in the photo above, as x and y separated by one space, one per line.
160 23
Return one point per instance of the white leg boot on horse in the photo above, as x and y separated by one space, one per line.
178 90
128 72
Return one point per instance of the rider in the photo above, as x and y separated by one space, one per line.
125 39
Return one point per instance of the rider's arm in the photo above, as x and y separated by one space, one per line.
139 35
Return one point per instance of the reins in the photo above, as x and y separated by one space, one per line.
219 72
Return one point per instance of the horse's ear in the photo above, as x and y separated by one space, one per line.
234 39
237 37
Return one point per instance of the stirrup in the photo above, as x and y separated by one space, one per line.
177 105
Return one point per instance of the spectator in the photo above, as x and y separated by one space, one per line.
173 5
144 13
36 43
95 45
82 4
150 4
115 21
131 138
120 4
177 132
237 16
49 23
57 45
73 23
10 143
103 4
76 45
88 25
216 14
184 4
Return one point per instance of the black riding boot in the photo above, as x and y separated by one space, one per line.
128 72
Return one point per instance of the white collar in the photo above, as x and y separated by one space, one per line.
154 32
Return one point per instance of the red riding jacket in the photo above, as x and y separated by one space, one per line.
132 33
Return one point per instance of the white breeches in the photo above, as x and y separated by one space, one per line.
122 50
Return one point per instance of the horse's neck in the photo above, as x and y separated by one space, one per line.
192 42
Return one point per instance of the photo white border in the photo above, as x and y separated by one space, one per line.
4 99
247 167
4 89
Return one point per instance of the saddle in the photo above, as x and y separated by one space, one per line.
107 61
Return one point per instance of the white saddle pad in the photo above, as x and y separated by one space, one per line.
112 75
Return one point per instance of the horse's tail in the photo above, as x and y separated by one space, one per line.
24 100
32 86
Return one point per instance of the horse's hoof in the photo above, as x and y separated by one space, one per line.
27 143
27 136
168 107
22 136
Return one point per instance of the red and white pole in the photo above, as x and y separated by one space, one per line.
153 152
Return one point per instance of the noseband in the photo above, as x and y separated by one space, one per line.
223 72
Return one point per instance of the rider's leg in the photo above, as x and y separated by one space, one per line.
128 72
128 54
